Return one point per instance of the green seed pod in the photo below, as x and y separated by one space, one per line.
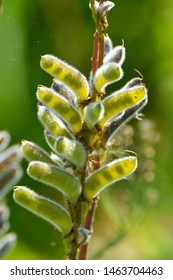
61 106
107 74
117 55
57 178
71 150
4 140
122 100
133 82
93 113
32 152
104 8
107 175
53 123
45 208
66 74
108 46
10 177
6 243
64 91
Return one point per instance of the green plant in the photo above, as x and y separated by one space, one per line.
10 173
80 120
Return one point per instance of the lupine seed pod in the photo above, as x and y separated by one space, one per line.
53 123
61 106
56 177
108 46
64 91
44 208
122 100
9 156
107 175
4 140
107 74
93 113
104 8
6 244
66 74
133 82
117 55
71 150
4 215
33 152
9 177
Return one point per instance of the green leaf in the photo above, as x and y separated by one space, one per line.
120 101
45 208
66 74
107 74
57 178
107 175
53 123
71 150
61 106
93 113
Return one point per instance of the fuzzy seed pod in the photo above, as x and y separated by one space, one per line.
57 178
108 46
107 175
93 113
117 55
106 75
53 123
6 243
122 100
61 106
4 140
71 150
44 208
66 74
104 8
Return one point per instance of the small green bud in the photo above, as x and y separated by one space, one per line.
106 75
61 106
93 113
71 150
45 208
56 177
66 74
107 175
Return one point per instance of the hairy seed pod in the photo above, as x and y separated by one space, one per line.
64 91
4 140
107 175
71 150
10 177
104 8
117 55
133 82
33 152
61 106
56 177
6 243
9 156
53 123
4 215
93 113
45 208
108 46
107 74
66 74
121 100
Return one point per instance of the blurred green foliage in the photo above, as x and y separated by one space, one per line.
29 29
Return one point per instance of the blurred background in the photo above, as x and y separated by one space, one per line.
134 219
